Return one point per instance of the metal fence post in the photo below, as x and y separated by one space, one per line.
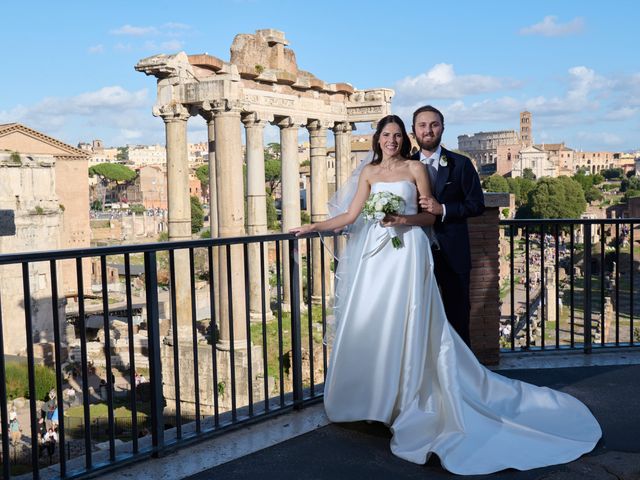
587 287
155 367
296 342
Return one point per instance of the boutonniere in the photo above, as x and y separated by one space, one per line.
444 161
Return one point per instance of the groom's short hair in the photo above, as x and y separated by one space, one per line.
427 108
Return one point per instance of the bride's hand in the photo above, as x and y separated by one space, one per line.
393 220
302 229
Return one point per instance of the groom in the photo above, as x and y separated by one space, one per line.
457 195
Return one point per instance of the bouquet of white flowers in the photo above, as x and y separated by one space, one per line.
380 204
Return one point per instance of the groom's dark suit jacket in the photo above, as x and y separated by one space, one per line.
458 187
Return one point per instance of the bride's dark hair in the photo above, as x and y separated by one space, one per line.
405 148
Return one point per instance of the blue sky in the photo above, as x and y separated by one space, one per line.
67 67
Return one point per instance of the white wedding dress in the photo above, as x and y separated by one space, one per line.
396 360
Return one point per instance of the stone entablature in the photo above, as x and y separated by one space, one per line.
262 76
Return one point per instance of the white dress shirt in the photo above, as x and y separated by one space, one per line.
434 162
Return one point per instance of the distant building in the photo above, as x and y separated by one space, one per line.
495 152
593 162
535 159
46 192
141 155
152 183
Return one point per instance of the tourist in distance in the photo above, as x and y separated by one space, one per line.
396 359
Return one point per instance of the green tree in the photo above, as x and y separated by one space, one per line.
273 150
612 173
593 195
496 183
631 183
112 174
528 174
197 215
272 173
272 214
521 187
123 154
631 193
202 173
561 197
585 180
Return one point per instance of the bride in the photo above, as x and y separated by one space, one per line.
395 358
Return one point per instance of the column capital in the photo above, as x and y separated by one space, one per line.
290 122
343 127
226 105
172 112
316 125
256 119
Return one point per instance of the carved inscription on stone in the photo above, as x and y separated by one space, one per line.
365 110
7 223
269 101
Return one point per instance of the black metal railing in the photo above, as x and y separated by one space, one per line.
569 284
190 348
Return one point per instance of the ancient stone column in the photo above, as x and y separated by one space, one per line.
319 198
551 299
213 205
175 118
229 184
342 133
256 211
290 193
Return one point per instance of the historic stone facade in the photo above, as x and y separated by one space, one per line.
483 147
30 220
496 152
593 162
535 159
71 164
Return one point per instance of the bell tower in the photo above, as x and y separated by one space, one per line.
526 129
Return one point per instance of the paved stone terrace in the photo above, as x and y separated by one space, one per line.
609 384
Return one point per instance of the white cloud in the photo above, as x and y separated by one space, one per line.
168 37
133 31
113 113
96 49
168 46
441 82
130 134
603 138
549 27
623 113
